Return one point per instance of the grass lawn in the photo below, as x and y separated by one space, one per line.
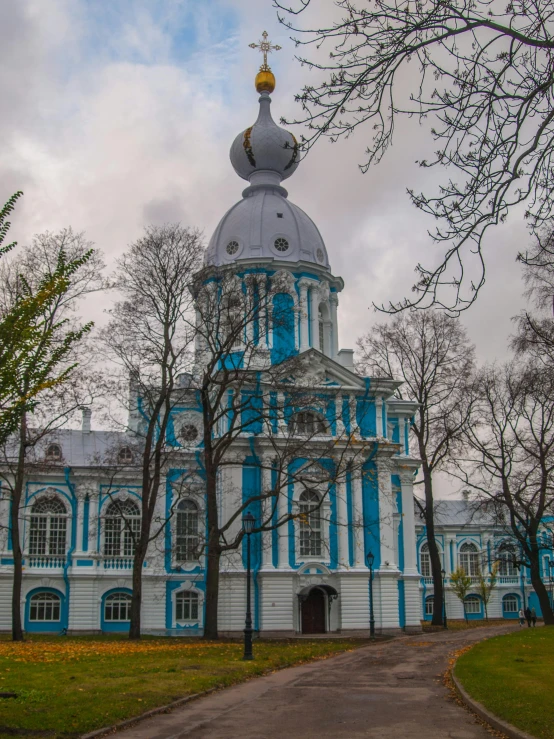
513 677
461 625
68 686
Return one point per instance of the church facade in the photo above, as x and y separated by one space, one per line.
310 575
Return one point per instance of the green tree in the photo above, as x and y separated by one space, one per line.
486 583
461 585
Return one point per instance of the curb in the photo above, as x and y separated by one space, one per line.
147 714
497 723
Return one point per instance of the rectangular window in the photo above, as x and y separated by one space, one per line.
44 610
186 609
425 564
472 605
37 541
429 604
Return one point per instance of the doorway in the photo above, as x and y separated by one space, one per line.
313 612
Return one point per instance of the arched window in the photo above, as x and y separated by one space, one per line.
308 423
310 524
429 605
121 528
44 607
188 433
425 559
47 532
469 559
186 606
510 604
506 565
117 607
186 532
125 455
472 604
321 327
232 324
53 452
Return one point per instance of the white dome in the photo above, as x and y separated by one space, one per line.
265 146
265 225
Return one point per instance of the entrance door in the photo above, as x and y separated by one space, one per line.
313 613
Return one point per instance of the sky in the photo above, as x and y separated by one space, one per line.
120 113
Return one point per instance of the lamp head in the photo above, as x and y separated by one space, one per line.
248 522
370 557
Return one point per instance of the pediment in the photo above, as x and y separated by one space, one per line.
312 368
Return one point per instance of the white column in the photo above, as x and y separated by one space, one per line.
353 404
267 506
262 318
283 531
342 522
408 522
314 317
249 313
338 415
281 421
93 524
358 517
379 417
386 511
304 343
333 303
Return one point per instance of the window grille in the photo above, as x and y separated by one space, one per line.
308 423
186 532
125 455
44 607
117 607
429 605
472 604
510 604
186 606
47 532
506 566
310 524
469 559
121 528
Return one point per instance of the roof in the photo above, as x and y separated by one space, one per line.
460 512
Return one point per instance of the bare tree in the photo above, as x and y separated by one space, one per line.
508 462
55 355
149 341
480 73
431 353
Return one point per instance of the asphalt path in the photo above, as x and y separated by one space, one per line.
390 689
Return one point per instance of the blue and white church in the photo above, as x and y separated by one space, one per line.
77 554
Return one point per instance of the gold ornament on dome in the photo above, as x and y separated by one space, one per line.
265 79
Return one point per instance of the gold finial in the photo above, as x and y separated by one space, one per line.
265 80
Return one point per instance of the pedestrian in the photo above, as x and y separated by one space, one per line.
521 617
534 617
528 617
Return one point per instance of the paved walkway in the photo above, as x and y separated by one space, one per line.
382 691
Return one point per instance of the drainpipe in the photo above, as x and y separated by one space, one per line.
71 486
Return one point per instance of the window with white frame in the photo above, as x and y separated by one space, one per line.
309 505
45 607
308 423
469 559
186 606
321 331
53 453
232 323
117 607
472 604
121 528
506 565
429 605
425 560
186 531
510 604
125 455
48 527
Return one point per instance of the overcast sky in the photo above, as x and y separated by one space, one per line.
120 113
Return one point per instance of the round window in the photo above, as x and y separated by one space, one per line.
232 247
281 244
189 432
320 255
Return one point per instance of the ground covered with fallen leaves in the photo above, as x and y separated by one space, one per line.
513 677
67 686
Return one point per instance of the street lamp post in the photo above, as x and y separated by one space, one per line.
248 526
550 563
370 557
443 573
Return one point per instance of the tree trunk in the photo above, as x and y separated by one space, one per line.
136 597
17 630
212 591
541 591
434 556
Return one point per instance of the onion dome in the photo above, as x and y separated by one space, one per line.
265 146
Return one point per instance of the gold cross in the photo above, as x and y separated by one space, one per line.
266 47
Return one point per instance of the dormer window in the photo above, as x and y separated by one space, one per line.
308 423
125 455
53 453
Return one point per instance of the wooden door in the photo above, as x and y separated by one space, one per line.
313 613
